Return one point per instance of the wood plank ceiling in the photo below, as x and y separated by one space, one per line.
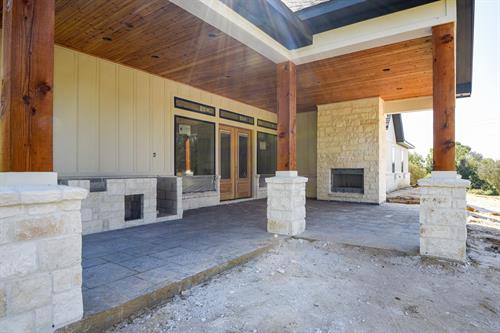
158 37
161 38
395 71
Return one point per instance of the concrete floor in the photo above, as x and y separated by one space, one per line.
387 226
121 265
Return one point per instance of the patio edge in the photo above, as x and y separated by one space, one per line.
101 321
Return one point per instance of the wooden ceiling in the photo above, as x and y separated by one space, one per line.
395 71
158 37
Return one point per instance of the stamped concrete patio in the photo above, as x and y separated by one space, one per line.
126 270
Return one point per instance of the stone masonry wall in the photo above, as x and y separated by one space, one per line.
169 195
443 216
352 135
40 257
103 211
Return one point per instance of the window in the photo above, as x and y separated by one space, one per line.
266 154
194 147
393 160
402 161
243 156
225 158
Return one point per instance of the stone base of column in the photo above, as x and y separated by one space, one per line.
443 216
40 253
286 203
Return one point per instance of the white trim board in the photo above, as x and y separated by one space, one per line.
388 29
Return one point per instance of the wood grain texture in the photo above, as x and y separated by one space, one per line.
395 71
27 87
443 40
160 38
287 116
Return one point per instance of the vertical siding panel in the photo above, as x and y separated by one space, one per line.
142 123
158 126
88 115
65 112
125 120
170 92
107 117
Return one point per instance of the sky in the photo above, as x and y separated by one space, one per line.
477 118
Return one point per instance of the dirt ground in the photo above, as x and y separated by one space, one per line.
318 287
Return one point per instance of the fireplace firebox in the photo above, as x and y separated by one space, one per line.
347 181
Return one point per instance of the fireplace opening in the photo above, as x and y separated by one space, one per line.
348 181
134 205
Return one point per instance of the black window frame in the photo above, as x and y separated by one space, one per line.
193 110
267 124
238 115
257 157
214 138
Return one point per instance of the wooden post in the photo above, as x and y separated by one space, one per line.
27 87
443 80
287 109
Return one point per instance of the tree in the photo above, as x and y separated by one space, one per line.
468 163
416 167
489 171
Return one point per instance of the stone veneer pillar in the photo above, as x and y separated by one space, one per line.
286 203
40 254
443 216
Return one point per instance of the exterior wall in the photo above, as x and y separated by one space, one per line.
40 257
352 135
113 120
398 179
307 129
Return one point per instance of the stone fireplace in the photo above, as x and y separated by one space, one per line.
346 180
351 151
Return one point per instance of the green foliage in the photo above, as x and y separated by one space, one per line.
416 168
489 170
484 174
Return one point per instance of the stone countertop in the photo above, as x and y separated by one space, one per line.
35 194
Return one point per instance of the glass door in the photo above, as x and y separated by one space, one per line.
226 163
235 163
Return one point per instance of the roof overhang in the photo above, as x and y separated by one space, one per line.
273 30
399 133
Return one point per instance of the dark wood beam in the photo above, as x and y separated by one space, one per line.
287 110
443 78
27 90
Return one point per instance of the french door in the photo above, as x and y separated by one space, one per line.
235 153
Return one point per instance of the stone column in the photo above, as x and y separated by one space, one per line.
443 216
40 253
286 203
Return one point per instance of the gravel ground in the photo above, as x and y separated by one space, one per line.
317 287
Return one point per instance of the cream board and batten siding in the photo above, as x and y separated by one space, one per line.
307 129
110 119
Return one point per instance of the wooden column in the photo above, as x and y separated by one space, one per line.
443 80
287 109
27 87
